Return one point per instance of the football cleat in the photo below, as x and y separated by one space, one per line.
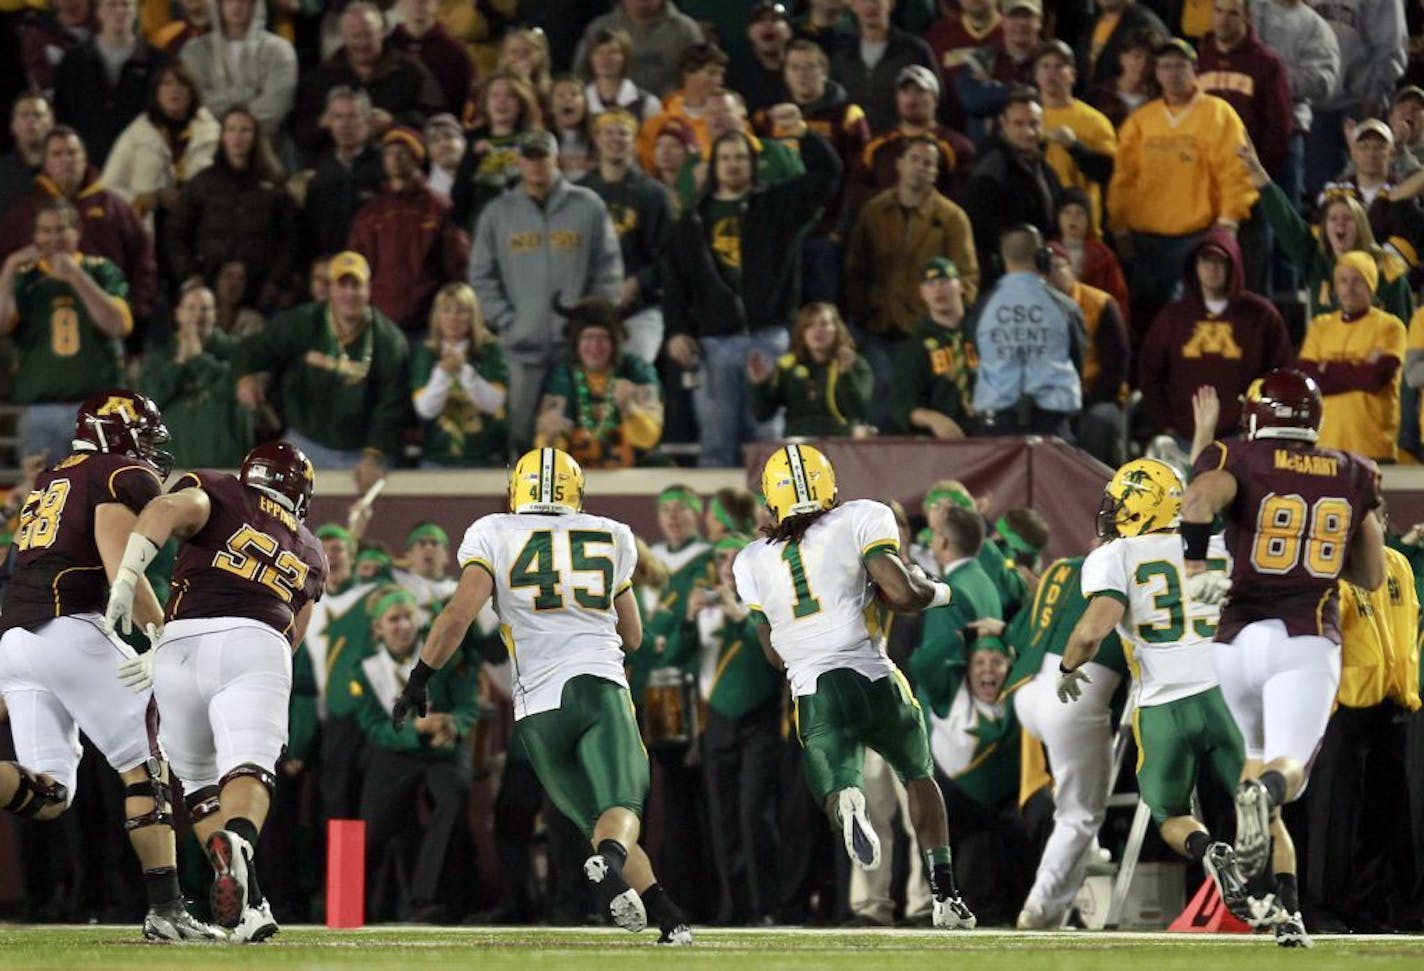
1291 932
1033 919
1253 827
861 843
230 856
953 914
1221 865
679 935
256 925
624 905
173 923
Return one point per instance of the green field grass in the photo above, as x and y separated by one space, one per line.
526 948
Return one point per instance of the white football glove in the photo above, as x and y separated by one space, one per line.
136 673
1208 587
118 615
1068 687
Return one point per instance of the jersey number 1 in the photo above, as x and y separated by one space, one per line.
805 604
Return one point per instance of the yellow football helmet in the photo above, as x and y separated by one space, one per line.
798 479
1144 496
546 480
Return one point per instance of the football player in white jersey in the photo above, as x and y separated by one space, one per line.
813 579
1136 582
561 584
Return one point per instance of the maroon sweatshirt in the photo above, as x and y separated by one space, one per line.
108 227
1189 346
1252 78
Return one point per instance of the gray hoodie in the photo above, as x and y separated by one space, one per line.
264 76
1372 40
525 254
1309 49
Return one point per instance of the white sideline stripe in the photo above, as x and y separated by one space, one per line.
713 933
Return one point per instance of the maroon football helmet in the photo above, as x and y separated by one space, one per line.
1283 404
281 470
123 422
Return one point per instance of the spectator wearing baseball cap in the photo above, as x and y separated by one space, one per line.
758 78
934 369
343 367
542 239
917 109
407 235
445 147
1118 23
869 70
1406 120
1397 223
1177 175
1080 142
422 36
991 72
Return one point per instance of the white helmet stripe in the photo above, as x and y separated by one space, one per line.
546 475
798 473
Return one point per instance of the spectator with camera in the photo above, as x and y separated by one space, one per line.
822 385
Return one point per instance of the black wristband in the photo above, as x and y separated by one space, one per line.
1196 536
420 674
1063 670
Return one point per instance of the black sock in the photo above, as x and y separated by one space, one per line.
614 852
162 885
1275 784
241 826
661 908
1286 892
1197 842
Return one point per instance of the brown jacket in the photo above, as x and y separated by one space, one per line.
887 254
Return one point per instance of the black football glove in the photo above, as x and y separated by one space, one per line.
413 697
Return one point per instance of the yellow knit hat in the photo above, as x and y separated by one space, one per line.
1362 263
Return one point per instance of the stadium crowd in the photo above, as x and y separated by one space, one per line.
433 235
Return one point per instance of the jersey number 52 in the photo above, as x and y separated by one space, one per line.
254 555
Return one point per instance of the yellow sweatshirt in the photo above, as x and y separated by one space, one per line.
1177 170
1094 133
1366 422
1379 655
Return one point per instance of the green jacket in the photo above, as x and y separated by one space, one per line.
1317 266
210 429
349 642
453 691
1044 629
999 565
934 369
350 397
462 436
744 679
820 400
938 665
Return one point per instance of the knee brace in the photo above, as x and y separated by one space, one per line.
250 770
33 795
201 803
155 788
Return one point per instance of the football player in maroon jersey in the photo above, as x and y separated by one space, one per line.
247 575
1299 518
57 662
